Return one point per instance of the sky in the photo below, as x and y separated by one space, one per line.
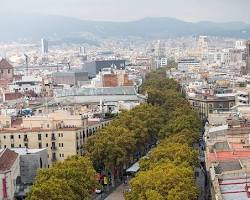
128 10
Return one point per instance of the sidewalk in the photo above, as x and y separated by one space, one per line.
118 193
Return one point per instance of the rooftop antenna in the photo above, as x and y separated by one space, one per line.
27 64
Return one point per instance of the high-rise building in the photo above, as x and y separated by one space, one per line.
203 47
248 57
160 49
45 46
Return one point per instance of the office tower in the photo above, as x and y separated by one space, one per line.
160 49
203 47
45 46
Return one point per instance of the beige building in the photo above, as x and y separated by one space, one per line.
5 121
61 133
207 105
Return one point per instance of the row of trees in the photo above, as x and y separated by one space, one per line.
74 179
167 173
128 137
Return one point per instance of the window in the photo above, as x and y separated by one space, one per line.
62 144
46 135
12 145
61 134
4 137
20 145
26 145
19 136
62 155
8 71
5 146
59 144
39 137
39 145
12 137
47 145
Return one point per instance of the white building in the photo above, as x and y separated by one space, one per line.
45 46
240 44
188 65
27 84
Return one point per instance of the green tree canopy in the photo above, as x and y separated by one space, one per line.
76 175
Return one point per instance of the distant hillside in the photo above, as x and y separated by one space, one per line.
15 27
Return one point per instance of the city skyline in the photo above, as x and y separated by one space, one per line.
111 10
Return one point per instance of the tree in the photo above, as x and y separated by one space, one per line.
53 189
111 148
76 175
164 179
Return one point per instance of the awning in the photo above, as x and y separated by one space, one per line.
134 168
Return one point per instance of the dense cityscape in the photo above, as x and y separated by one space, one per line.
155 109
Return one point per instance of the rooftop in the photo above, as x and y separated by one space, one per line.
7 159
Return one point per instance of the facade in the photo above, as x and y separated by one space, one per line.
30 161
26 86
9 173
61 133
115 79
95 67
95 95
187 65
70 78
207 105
6 70
164 62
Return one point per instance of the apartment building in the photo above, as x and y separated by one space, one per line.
208 104
61 133
227 154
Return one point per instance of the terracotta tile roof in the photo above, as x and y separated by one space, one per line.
228 155
7 159
4 64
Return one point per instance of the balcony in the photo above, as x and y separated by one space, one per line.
53 148
53 138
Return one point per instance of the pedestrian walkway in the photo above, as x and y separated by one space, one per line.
118 193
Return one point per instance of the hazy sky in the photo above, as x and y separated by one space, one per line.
124 10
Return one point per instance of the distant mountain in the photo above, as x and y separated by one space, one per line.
35 26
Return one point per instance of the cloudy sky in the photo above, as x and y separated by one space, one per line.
126 10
